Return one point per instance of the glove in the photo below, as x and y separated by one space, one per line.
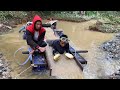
56 57
68 55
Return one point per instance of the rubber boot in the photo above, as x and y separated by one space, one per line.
56 57
68 55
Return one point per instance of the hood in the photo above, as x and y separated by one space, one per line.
31 27
36 18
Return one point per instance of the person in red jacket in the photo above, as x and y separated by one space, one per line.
36 35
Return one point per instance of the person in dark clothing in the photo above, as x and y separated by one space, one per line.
61 46
35 34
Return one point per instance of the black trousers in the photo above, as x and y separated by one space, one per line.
41 43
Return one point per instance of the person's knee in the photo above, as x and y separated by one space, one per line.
44 44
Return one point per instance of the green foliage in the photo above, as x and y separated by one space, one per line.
4 15
111 17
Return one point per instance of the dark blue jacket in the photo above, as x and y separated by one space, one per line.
57 48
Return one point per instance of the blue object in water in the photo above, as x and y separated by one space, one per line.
22 28
38 59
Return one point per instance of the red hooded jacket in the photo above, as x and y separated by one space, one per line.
30 33
31 27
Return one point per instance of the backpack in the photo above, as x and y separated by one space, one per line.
24 35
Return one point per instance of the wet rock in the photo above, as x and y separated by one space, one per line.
0 60
112 47
13 26
1 64
115 75
3 77
0 72
1 25
8 25
5 73
4 68
1 54
118 36
1 68
105 27
10 22
5 29
9 77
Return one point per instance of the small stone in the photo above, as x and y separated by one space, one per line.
9 27
4 70
10 77
1 25
1 64
0 72
5 73
4 77
0 61
1 55
1 68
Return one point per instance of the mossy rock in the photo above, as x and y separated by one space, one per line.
105 27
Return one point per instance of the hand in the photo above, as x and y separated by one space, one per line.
42 49
32 52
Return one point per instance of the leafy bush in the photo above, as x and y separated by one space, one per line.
4 15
